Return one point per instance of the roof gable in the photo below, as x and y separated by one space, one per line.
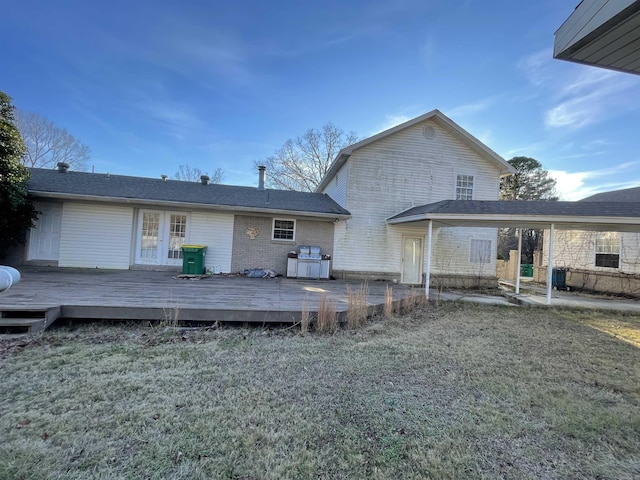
442 120
45 183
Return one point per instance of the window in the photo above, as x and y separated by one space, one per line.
480 251
284 229
464 187
608 250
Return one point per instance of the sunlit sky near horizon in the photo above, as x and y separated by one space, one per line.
153 85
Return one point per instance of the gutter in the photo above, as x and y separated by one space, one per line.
197 206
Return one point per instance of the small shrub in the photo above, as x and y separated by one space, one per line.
327 318
171 317
357 306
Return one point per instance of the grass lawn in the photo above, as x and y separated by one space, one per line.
458 391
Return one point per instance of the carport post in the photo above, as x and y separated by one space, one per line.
550 264
426 280
519 231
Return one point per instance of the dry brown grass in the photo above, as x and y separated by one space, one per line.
305 316
327 321
414 299
462 391
389 307
357 306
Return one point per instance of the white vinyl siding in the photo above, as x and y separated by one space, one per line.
215 230
337 187
96 236
399 172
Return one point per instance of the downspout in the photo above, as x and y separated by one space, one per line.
428 276
549 264
519 231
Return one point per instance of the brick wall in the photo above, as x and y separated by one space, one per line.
262 252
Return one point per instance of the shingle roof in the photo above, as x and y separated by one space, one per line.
99 186
519 207
625 195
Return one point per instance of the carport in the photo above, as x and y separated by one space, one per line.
519 214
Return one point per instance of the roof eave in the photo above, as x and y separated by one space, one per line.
199 206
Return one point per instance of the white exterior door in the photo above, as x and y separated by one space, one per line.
44 238
160 237
412 260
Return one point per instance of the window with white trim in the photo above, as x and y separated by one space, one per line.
608 250
464 187
480 251
284 229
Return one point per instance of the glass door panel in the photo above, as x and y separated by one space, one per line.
149 240
177 235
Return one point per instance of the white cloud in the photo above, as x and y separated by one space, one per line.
471 108
578 185
537 67
575 96
390 122
588 100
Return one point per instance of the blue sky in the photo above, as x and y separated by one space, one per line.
152 85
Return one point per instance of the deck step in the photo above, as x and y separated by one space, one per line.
27 320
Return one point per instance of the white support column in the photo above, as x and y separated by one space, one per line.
428 274
550 264
519 260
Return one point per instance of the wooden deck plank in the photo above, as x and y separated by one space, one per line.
112 293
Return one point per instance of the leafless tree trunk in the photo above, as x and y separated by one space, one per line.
187 173
48 144
301 163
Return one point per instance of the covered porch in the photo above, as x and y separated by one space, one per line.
539 215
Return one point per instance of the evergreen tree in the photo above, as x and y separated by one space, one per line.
17 212
530 182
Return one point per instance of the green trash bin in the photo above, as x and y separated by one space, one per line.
559 278
526 270
193 259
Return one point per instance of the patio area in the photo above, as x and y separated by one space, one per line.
153 295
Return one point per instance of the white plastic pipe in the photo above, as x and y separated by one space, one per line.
8 276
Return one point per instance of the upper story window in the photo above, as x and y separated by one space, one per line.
608 250
464 187
284 229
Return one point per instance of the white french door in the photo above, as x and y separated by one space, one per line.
160 237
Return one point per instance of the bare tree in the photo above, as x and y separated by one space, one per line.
48 144
301 163
187 173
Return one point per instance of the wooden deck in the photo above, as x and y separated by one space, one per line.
150 295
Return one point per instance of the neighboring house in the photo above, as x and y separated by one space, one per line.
605 261
91 220
422 161
94 220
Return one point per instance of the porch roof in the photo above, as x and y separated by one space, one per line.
100 187
584 215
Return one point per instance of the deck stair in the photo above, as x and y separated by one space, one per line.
26 320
